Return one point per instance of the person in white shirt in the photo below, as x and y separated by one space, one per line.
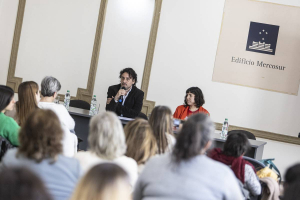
49 90
107 144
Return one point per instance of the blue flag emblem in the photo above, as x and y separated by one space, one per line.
262 38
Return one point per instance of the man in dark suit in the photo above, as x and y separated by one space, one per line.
125 99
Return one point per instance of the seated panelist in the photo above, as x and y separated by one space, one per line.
193 102
125 99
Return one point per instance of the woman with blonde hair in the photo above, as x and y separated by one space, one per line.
29 97
141 143
107 144
41 151
102 182
162 124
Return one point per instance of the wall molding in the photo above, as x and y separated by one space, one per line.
82 94
149 105
13 81
264 134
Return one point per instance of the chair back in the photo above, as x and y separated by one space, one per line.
80 104
257 164
143 116
4 146
248 134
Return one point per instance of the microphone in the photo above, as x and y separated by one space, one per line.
121 97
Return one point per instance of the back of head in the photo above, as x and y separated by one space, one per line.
27 100
106 137
6 95
193 138
292 174
236 145
141 143
41 135
49 86
104 181
199 97
161 123
21 183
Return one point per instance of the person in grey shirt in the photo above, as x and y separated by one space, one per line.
40 150
187 173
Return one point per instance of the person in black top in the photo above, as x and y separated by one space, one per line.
125 99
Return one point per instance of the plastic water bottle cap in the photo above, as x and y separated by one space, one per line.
68 90
226 119
94 95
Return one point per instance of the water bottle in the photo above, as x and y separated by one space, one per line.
225 129
93 106
67 100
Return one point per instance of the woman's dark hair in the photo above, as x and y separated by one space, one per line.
292 174
131 74
97 180
199 97
6 95
21 183
162 124
41 135
292 192
236 144
196 132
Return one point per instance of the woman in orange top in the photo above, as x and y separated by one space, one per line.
193 102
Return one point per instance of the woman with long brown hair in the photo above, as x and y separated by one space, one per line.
162 124
29 97
41 151
141 143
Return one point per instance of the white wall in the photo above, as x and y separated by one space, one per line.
57 39
124 43
184 57
8 15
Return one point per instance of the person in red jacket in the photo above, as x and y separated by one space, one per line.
193 102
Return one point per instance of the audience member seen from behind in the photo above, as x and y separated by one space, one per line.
292 183
188 173
21 183
49 90
235 147
162 124
193 102
8 127
41 151
141 143
105 181
28 99
107 144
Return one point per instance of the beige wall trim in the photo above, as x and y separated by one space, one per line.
82 94
86 94
13 81
264 134
151 47
149 105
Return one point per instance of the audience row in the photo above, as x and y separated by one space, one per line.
142 161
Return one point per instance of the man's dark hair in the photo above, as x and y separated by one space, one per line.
131 74
236 144
196 132
22 183
6 95
292 174
199 97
